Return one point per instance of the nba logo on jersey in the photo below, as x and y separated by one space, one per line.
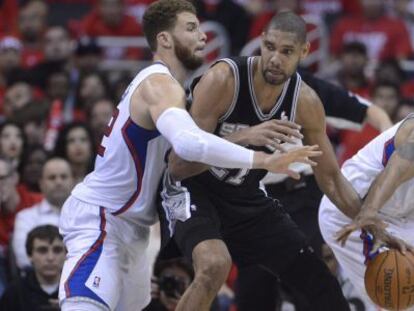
96 281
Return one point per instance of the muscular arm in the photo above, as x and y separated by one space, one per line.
398 170
211 98
311 116
378 118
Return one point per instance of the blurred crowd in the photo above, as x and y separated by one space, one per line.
58 93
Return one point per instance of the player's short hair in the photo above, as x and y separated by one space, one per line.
45 233
161 16
289 22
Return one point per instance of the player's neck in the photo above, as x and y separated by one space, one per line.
178 71
263 89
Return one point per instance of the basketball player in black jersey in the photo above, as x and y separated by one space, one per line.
231 216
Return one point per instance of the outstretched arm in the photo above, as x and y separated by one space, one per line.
311 116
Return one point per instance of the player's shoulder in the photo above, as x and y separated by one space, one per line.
308 97
405 131
220 74
159 85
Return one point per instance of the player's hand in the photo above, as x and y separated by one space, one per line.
279 162
370 222
270 133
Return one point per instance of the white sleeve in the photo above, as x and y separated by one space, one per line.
193 144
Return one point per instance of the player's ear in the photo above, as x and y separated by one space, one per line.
305 50
164 39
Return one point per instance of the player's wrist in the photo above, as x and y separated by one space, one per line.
259 160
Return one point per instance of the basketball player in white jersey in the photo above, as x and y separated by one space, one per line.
105 221
383 174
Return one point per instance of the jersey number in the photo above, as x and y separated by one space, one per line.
222 174
108 130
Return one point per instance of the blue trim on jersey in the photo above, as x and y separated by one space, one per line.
389 148
136 138
76 284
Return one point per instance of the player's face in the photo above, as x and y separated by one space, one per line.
189 41
281 53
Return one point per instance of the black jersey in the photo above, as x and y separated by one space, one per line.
244 111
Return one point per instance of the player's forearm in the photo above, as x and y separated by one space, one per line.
181 169
378 118
341 193
397 171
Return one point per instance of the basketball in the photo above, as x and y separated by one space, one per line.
389 280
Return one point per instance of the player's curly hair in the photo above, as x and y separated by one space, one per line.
161 16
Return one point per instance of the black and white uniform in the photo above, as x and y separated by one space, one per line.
230 205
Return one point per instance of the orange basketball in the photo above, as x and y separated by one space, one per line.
389 280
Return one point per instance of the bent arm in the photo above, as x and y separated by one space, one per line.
398 170
378 118
176 125
311 116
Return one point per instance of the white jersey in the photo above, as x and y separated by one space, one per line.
363 168
129 163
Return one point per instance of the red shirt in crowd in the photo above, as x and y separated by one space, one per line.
27 199
385 37
92 25
321 7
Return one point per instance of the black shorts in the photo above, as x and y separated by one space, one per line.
268 237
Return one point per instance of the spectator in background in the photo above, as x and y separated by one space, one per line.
31 168
12 142
172 277
136 8
405 107
18 95
390 71
385 95
231 15
31 26
75 144
383 35
56 183
13 198
9 11
32 118
110 19
92 87
10 57
352 71
99 115
38 290
88 55
404 10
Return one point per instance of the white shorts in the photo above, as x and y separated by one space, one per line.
351 257
106 261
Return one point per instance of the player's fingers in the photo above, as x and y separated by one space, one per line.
310 162
282 137
287 131
285 123
377 245
292 174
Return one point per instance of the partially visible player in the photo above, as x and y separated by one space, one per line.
383 174
105 220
